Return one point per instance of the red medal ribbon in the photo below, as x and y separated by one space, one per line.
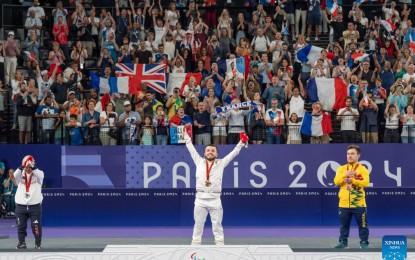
28 182
208 169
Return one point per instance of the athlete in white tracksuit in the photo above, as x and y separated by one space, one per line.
209 174
29 201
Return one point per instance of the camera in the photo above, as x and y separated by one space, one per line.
111 115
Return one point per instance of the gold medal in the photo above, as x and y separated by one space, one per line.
208 183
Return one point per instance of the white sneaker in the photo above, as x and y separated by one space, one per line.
307 39
316 39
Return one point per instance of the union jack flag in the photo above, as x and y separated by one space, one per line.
153 75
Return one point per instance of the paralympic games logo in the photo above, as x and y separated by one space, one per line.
194 257
322 172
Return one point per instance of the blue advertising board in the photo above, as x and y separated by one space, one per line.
242 207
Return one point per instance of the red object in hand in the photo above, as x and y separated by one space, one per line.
244 137
28 159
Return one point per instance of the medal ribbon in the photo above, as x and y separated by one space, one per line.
208 169
353 169
28 182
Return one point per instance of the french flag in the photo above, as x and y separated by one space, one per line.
100 106
180 80
329 92
30 55
121 85
311 54
360 56
99 83
389 25
332 7
316 125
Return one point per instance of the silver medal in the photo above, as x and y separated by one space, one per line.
27 195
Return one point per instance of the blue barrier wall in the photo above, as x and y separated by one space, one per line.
242 207
259 166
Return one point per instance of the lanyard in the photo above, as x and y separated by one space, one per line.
28 182
208 169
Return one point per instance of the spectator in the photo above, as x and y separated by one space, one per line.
348 116
274 91
38 10
79 53
260 43
408 130
300 14
10 188
274 120
265 69
105 61
180 118
31 44
26 102
192 89
296 99
219 123
293 124
256 120
161 124
124 55
253 27
313 18
368 125
150 104
91 123
142 55
107 25
10 52
108 118
130 122
318 112
48 112
60 128
77 20
74 130
33 23
123 23
44 82
111 45
392 116
2 177
56 58
85 36
59 11
61 32
202 125
236 122
146 134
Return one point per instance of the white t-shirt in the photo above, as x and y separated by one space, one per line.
159 32
39 11
261 43
388 12
348 122
59 12
105 127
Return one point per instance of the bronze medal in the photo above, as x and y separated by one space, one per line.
208 183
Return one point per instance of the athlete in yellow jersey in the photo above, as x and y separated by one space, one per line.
352 179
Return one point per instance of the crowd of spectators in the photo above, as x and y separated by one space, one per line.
52 93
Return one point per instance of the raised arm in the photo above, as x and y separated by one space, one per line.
193 153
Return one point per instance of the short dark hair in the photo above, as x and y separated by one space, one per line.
353 146
212 145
